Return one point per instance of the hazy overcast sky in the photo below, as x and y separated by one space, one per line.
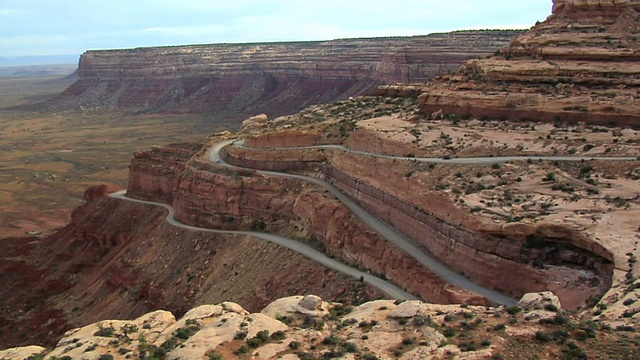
56 27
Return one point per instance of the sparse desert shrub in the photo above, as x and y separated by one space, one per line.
331 340
105 331
468 346
254 342
242 350
278 335
351 347
214 355
187 331
551 307
407 341
628 328
542 336
287 320
421 320
573 352
513 310
449 332
332 354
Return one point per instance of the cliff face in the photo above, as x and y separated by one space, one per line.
118 259
211 196
581 64
492 256
271 78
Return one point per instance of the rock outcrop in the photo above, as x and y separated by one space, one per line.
272 78
381 329
581 64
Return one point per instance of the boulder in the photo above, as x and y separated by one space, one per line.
539 301
255 121
297 305
21 352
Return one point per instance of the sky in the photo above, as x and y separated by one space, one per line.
70 27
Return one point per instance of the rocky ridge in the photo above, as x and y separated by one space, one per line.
578 65
306 327
232 79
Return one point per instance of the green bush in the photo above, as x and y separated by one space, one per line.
551 307
407 341
278 335
331 340
513 310
542 336
214 355
449 332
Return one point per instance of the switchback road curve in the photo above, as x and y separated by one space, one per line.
386 231
390 233
390 289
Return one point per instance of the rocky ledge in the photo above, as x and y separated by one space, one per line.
306 327
234 79
581 64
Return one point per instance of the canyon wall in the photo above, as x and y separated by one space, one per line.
492 257
212 196
153 174
118 259
272 78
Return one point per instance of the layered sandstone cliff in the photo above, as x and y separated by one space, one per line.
211 196
275 78
581 64
489 254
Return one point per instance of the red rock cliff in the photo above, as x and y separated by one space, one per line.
117 259
489 255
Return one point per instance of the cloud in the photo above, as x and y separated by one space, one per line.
38 27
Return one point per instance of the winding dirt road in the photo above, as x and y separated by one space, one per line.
487 160
386 231
390 289
390 233
382 228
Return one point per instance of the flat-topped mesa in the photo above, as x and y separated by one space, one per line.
581 64
272 78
